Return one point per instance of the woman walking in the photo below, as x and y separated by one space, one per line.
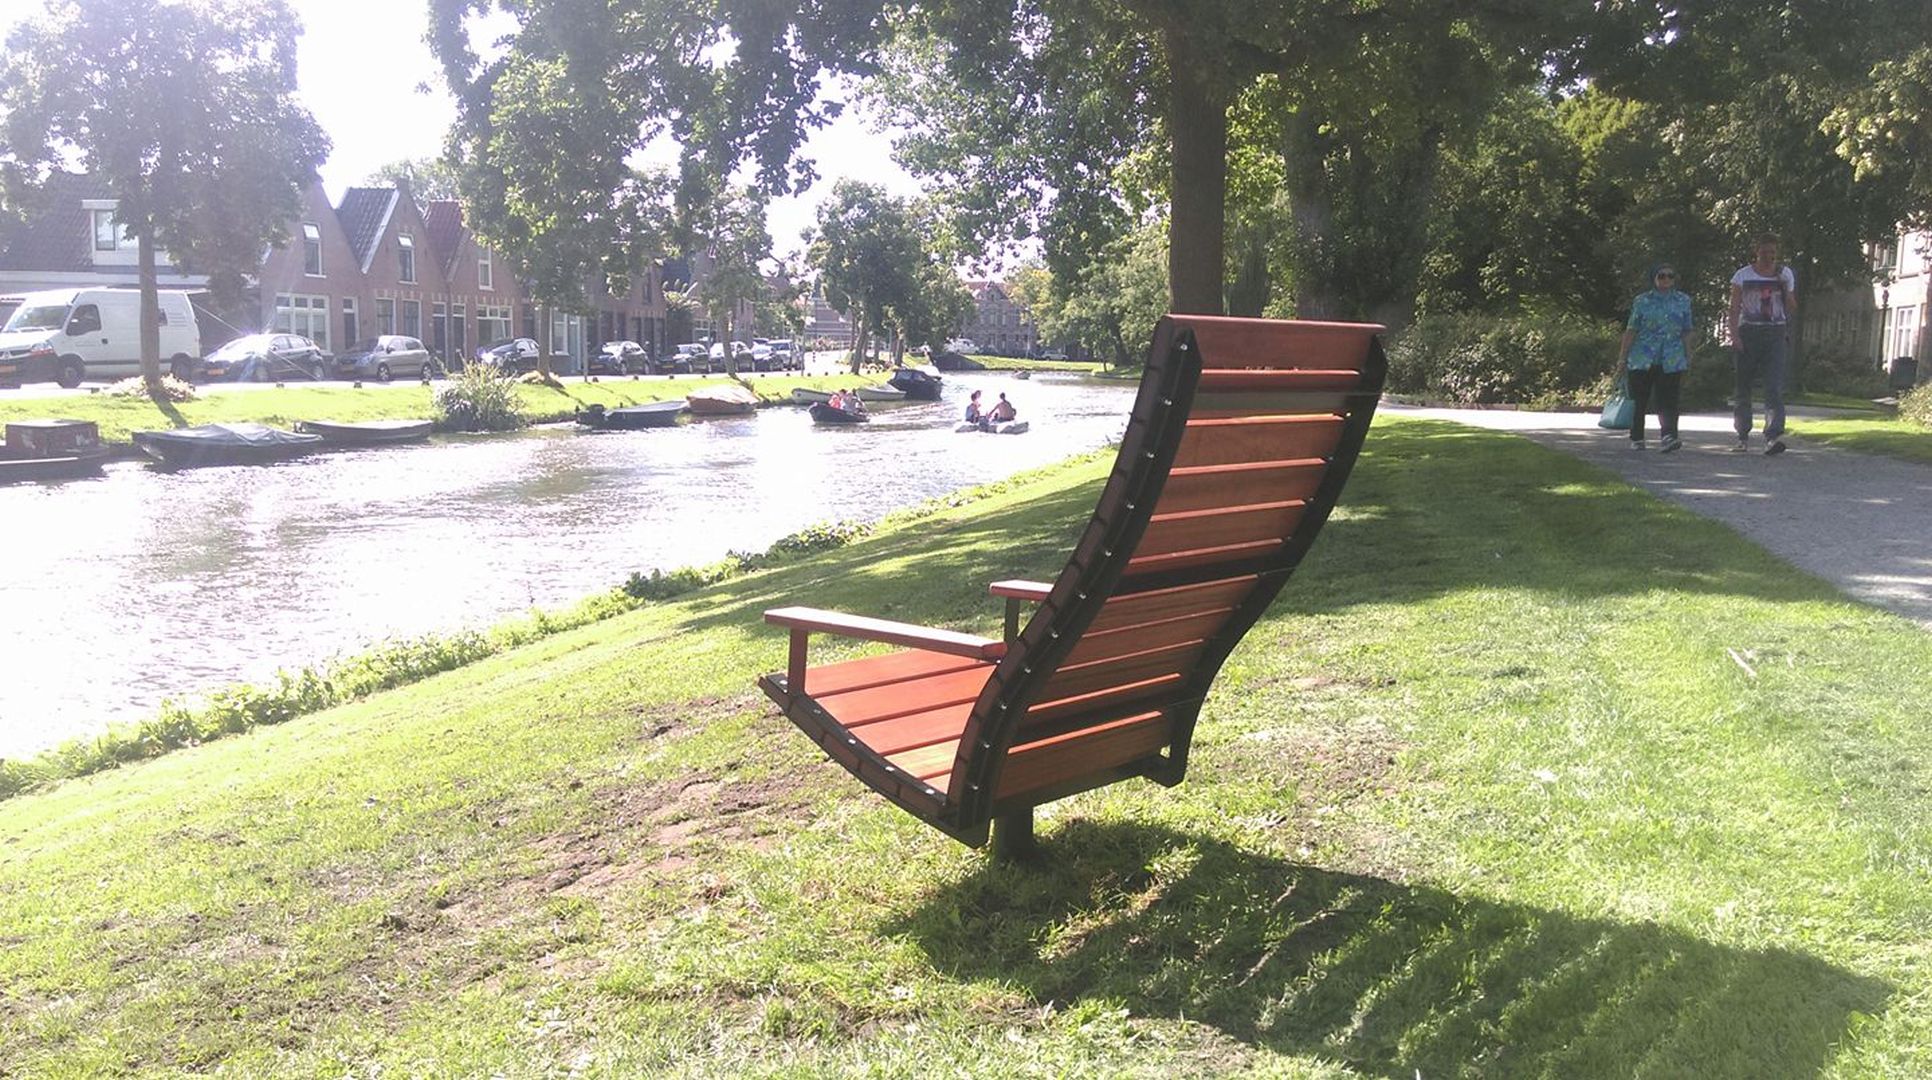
1655 353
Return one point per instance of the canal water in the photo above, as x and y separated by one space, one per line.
118 593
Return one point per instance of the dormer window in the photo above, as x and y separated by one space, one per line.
406 252
485 270
311 250
107 235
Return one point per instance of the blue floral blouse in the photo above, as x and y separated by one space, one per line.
1661 319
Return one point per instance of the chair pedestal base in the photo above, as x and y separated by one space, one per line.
1013 837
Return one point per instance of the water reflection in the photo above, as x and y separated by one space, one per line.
120 592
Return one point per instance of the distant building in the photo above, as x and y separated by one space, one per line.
824 323
999 325
374 264
1884 320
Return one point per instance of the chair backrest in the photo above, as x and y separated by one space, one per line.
1240 440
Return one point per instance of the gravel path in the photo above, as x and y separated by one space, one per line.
1863 523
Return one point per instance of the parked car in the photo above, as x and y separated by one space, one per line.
683 360
511 354
962 345
785 355
67 335
620 358
266 358
385 357
744 353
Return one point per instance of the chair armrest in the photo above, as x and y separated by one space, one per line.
1035 591
951 642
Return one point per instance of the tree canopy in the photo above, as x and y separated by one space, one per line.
187 111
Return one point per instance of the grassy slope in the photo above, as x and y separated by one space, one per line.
1014 363
1490 792
118 416
1888 436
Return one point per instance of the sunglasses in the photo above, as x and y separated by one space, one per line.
1667 276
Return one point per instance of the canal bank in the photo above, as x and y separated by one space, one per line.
145 586
604 853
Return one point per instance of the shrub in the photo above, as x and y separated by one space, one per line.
172 389
1916 405
1544 361
1828 370
481 397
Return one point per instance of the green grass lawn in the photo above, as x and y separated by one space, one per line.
1883 435
1014 363
118 417
1527 774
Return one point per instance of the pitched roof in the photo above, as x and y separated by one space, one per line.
54 233
364 214
444 220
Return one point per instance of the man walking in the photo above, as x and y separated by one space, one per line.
1764 296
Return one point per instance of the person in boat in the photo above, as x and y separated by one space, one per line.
851 402
974 414
1001 412
837 400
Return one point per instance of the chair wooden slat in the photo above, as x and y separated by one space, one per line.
1192 530
1228 485
884 670
1244 440
1044 762
1103 645
1239 441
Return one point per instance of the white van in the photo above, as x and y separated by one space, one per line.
72 334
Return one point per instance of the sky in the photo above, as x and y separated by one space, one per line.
363 66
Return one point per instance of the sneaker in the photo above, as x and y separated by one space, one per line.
1743 446
1636 444
1775 446
1671 443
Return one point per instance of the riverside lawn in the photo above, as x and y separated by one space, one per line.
118 416
1527 773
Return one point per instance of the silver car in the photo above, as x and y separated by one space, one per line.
386 357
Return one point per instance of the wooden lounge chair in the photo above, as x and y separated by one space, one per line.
1239 443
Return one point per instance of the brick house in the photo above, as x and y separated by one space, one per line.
401 278
998 324
313 284
1883 320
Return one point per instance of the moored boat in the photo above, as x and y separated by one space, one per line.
824 413
724 400
224 444
804 396
919 384
880 393
657 414
366 432
51 450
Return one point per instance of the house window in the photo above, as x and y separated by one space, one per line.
305 315
311 250
485 269
412 318
438 329
492 324
349 336
1904 337
406 252
107 236
385 316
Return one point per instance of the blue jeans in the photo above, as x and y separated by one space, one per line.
1763 351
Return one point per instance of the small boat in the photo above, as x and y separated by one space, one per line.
51 450
1011 427
1023 374
811 397
366 432
823 413
920 384
224 444
880 393
725 400
658 414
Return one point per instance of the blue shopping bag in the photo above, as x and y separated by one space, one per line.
1620 411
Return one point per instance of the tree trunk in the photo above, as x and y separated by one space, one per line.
546 340
858 338
1313 213
1198 122
150 317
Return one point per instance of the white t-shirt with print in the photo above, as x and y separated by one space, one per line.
1764 296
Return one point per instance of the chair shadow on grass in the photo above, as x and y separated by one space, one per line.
1390 978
